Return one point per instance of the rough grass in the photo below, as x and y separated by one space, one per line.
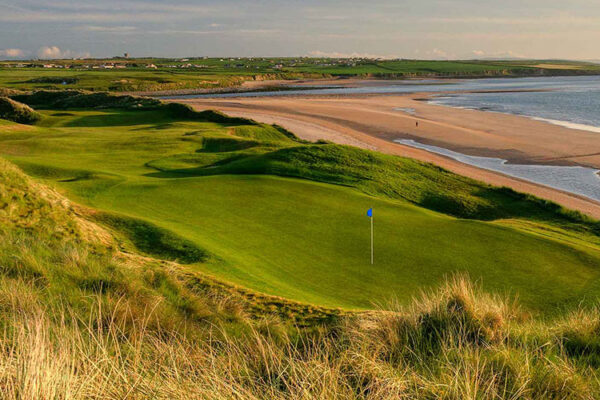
65 99
14 111
61 99
455 343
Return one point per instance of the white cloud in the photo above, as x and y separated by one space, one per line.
49 52
12 53
496 54
435 54
334 54
439 53
54 52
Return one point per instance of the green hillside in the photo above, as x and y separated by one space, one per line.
252 205
156 74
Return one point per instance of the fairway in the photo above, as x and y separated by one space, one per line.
292 237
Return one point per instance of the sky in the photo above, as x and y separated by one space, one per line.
422 29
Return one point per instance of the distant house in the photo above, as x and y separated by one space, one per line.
151 66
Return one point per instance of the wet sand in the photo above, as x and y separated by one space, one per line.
374 121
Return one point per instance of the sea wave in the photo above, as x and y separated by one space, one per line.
568 124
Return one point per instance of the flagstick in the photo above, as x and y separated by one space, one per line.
371 240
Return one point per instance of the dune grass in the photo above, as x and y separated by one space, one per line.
152 338
243 197
13 111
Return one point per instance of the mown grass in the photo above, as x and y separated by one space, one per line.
205 182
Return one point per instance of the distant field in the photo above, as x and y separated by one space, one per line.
218 73
116 80
247 196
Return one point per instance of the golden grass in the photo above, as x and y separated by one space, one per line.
454 343
559 66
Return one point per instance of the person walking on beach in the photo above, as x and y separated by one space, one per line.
417 124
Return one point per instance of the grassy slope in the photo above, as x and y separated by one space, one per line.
300 239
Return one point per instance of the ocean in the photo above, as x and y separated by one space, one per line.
573 102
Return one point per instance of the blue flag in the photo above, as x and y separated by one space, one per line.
370 213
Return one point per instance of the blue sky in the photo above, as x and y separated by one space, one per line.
433 29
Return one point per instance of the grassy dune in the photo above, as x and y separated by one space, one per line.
118 80
13 111
243 197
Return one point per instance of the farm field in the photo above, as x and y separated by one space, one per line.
250 204
214 73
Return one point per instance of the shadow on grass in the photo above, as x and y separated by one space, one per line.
153 240
120 118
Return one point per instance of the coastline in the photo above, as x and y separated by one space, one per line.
375 121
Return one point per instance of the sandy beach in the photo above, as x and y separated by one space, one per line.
374 121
